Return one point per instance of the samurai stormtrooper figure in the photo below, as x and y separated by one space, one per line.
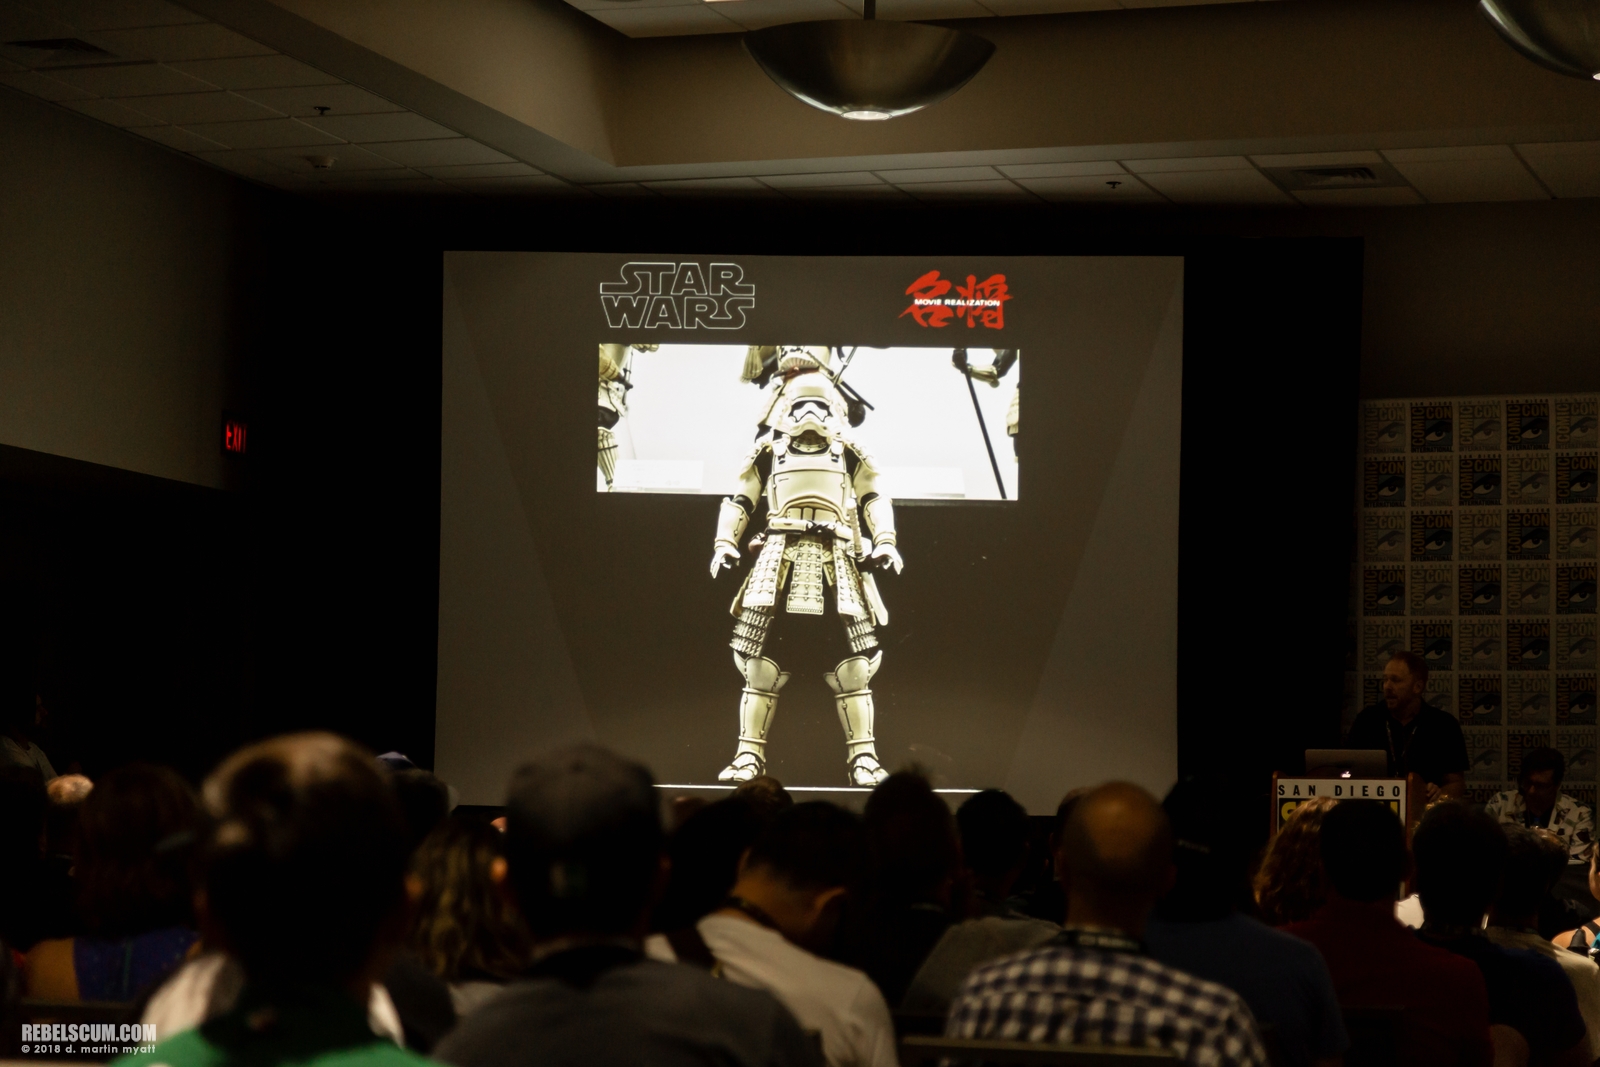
826 525
613 405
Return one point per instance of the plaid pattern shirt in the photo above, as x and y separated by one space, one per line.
1069 995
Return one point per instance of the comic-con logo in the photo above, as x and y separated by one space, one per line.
678 296
937 302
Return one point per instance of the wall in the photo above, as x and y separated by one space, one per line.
117 296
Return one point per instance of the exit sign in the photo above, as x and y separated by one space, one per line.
235 434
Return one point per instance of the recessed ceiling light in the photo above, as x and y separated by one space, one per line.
1561 35
876 116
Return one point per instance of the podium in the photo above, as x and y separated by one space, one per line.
1406 796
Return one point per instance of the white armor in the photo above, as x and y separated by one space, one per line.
824 518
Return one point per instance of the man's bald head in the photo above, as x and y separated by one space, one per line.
1116 846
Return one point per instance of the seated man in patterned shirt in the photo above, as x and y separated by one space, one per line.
1539 803
1094 984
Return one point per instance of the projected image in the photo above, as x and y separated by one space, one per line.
937 423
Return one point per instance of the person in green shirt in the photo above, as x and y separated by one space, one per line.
303 882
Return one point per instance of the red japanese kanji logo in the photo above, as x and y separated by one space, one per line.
978 302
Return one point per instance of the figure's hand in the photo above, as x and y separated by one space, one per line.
887 557
1432 792
723 557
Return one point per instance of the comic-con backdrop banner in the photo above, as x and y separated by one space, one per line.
1477 551
737 515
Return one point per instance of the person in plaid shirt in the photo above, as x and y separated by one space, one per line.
1093 984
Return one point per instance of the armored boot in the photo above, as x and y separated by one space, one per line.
608 456
854 700
758 701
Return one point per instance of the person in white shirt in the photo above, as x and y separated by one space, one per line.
1538 802
785 907
1534 863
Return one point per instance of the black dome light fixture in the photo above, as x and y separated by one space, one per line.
1562 35
867 69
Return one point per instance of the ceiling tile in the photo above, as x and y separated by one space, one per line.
170 44
1048 7
803 181
595 6
341 176
1247 186
249 164
263 133
418 186
346 158
443 152
621 189
132 79
758 14
1097 187
44 88
480 170
847 192
303 101
1570 168
1061 170
1186 163
906 10
1447 154
112 112
392 126
1391 196
186 108
712 186
174 137
18 23
256 72
939 174
666 21
534 183
1472 174
997 188
118 14
9 67
1318 159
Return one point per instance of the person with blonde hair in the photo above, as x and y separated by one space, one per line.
1291 884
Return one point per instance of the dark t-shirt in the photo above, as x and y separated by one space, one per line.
1528 992
597 1008
1281 977
1430 744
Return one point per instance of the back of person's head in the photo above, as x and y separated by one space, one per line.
305 861
994 833
812 846
1540 759
424 801
1291 884
1460 856
704 854
1210 819
914 847
1116 847
1535 861
135 845
765 795
465 928
66 794
1363 850
583 841
22 814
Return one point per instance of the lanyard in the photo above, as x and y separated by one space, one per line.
1099 940
1398 764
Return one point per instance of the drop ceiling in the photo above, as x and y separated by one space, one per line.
1263 104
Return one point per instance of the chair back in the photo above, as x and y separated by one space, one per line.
916 1051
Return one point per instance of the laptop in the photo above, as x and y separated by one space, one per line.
1347 763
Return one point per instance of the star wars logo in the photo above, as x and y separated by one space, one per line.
678 296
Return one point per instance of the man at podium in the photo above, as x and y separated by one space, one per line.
1418 737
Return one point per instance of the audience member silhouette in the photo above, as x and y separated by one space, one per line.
304 886
584 856
1095 984
1377 963
1197 928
